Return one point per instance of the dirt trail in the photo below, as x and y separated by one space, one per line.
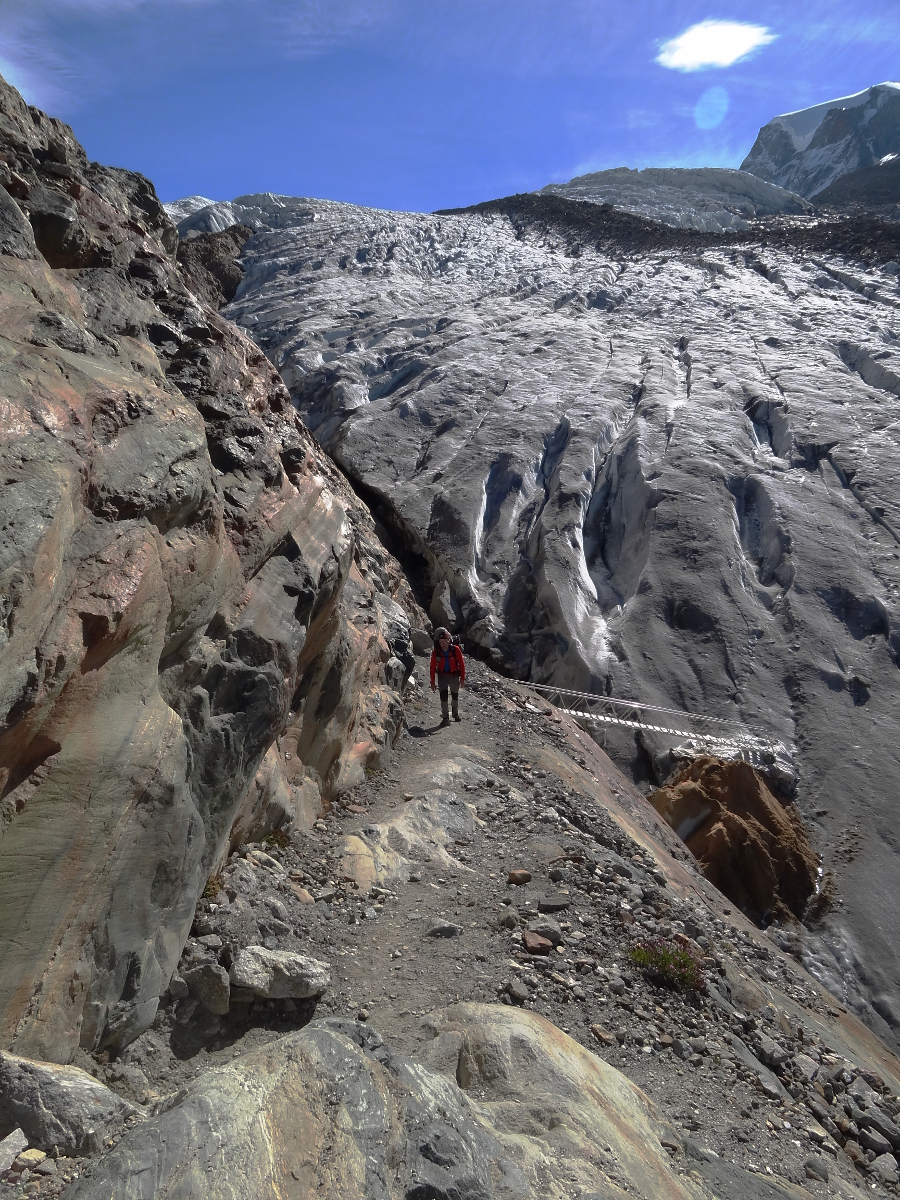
403 890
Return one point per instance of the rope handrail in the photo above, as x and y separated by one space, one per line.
633 704
695 733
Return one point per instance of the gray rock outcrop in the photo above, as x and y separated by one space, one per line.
334 1111
189 638
640 462
809 149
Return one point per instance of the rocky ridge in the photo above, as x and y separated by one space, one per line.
202 638
639 461
874 189
707 199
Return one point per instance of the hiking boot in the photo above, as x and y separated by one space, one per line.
457 717
445 721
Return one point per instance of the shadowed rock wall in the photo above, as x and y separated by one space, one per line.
183 579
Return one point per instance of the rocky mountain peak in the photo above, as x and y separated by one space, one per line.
807 150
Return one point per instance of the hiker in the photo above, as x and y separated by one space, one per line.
448 663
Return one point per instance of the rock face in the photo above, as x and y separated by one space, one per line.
188 623
212 263
708 199
750 846
875 188
644 462
809 149
334 1111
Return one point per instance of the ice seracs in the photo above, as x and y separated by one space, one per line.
662 473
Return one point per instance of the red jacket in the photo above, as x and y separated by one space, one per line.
452 659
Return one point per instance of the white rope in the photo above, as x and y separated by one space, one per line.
740 735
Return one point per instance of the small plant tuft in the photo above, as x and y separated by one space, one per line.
277 838
213 887
670 964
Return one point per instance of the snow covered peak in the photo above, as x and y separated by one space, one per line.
808 149
803 123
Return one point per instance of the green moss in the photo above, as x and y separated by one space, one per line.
670 964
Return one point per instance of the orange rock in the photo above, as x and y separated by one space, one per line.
750 844
519 878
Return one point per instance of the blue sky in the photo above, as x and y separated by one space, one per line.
420 104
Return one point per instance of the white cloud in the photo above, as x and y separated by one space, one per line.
713 44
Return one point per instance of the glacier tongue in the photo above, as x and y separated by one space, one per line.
667 473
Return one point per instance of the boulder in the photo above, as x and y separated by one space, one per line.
279 974
394 1126
209 984
58 1106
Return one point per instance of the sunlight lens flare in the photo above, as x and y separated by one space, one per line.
713 44
711 108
